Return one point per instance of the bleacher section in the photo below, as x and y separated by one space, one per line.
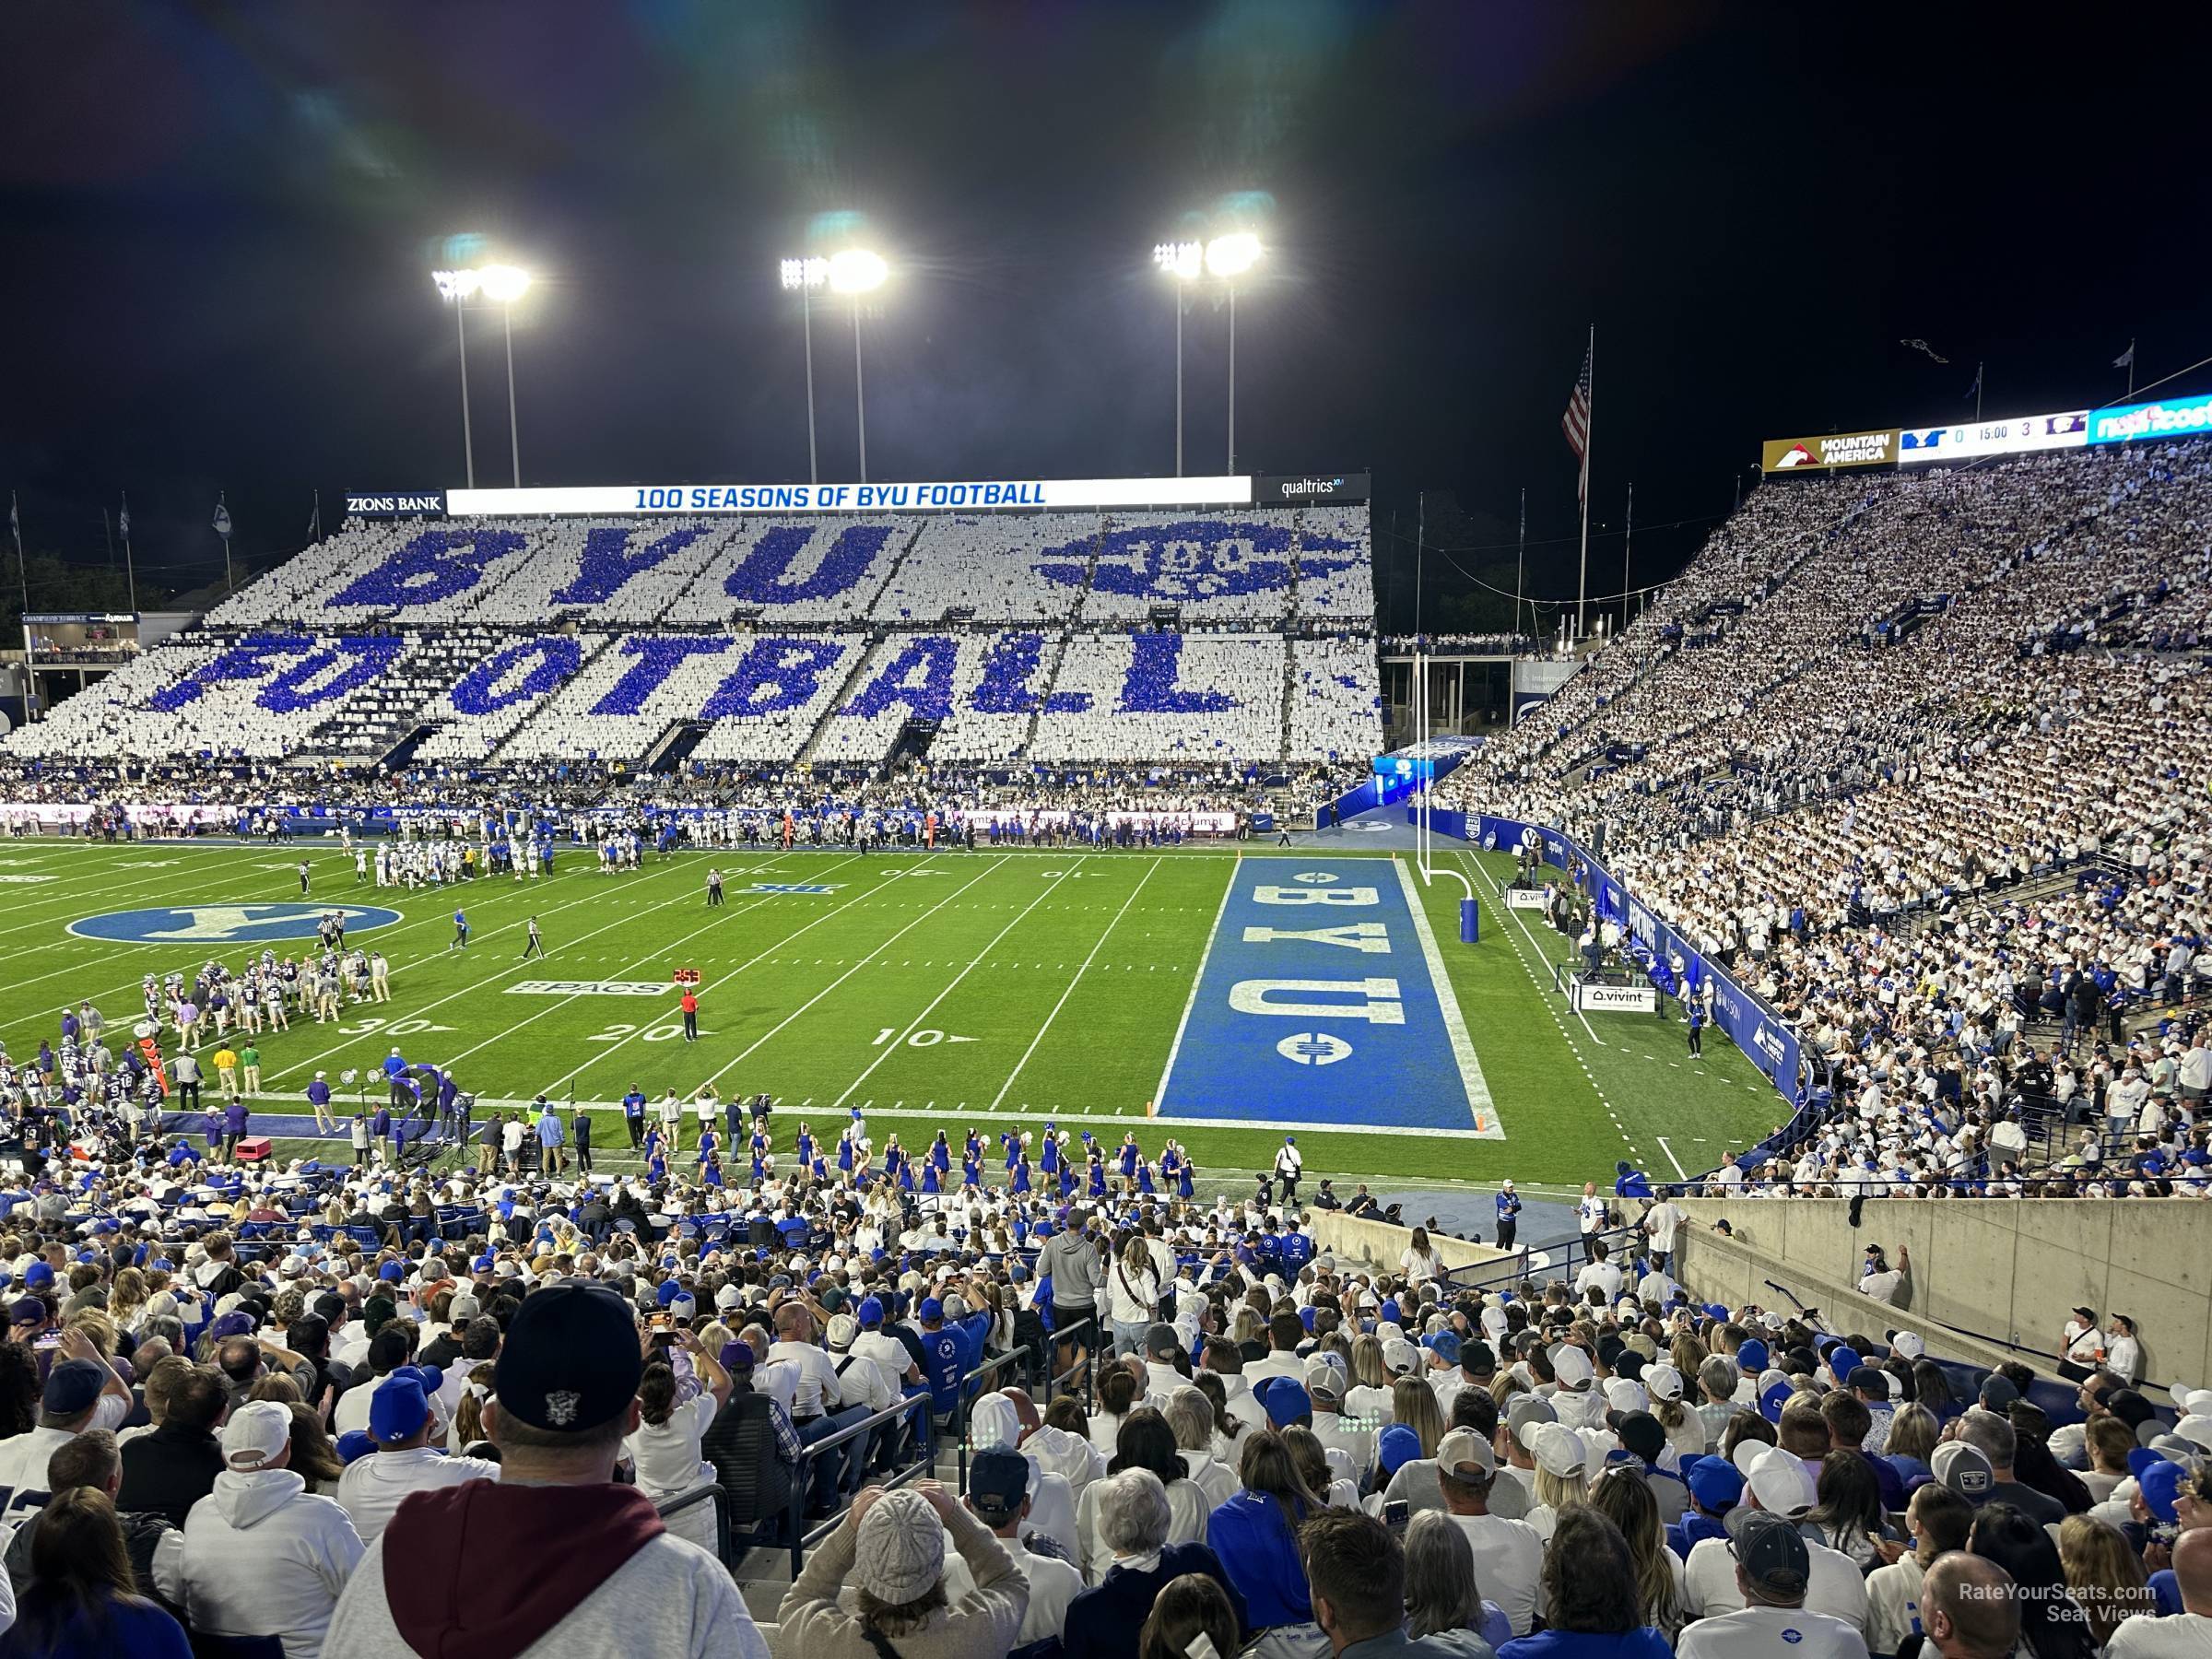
1132 638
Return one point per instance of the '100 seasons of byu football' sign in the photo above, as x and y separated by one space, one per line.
962 495
1323 1003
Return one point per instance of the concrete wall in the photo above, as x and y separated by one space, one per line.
1378 1245
2010 1269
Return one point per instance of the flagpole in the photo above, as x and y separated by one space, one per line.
1978 367
1582 598
1521 559
130 565
15 523
2131 367
1626 541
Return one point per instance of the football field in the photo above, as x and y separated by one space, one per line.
1231 997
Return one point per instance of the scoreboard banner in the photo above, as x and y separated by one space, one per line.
1834 450
2019 435
2175 418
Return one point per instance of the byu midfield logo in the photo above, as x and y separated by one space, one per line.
226 923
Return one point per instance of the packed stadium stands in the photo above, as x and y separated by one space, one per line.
520 641
1918 757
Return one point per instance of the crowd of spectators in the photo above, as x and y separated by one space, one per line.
1916 756
449 1420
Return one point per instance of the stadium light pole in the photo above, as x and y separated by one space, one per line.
506 285
1183 263
456 286
1229 258
856 272
503 285
804 276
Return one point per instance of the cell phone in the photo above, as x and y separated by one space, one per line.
1396 1513
663 1339
51 1339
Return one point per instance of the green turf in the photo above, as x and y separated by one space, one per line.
998 988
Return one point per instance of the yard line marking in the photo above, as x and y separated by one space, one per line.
849 973
1071 983
608 1049
622 921
387 934
1190 1002
1680 1173
913 1025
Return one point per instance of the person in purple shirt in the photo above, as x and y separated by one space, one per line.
234 1126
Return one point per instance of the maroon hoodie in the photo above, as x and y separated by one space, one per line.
482 1570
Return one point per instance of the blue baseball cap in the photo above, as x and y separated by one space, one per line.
39 1276
870 1312
1444 1343
1716 1483
401 1405
1398 1446
1752 1358
931 1309
2159 1485
1776 1396
355 1444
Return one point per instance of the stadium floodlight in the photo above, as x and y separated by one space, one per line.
1225 258
503 285
853 271
1232 255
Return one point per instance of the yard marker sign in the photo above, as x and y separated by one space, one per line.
1323 1003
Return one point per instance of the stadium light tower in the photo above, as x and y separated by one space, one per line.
855 271
502 285
1225 259
1229 258
1183 262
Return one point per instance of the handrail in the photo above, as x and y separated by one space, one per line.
711 1490
1490 1275
961 1408
1082 1368
796 1516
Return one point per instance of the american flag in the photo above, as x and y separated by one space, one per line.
1575 423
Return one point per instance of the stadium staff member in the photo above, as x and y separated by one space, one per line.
690 1008
1289 1166
585 1565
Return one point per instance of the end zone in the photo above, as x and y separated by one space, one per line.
1322 1004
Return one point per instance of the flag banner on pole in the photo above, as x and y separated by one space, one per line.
1975 389
1575 423
2126 359
222 521
15 516
122 520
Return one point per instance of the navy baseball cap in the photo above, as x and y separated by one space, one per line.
571 1361
72 1386
1771 1552
997 1482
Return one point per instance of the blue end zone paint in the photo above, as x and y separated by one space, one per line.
1322 1004
227 923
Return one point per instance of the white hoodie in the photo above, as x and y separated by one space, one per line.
371 1487
263 1557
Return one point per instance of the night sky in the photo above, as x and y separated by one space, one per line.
219 221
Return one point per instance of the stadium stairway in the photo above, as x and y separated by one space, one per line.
1051 676
861 663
